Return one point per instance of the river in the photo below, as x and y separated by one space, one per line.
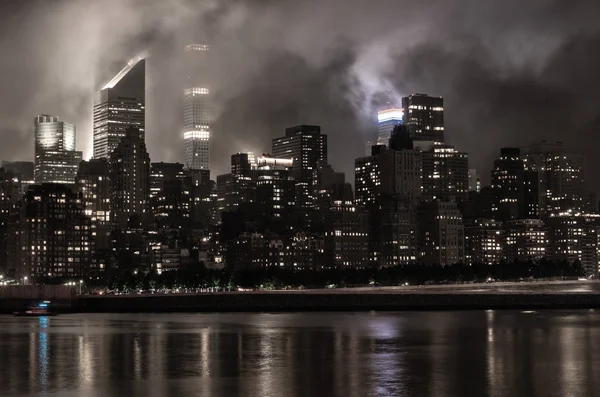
450 354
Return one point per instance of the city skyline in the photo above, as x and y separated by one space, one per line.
479 81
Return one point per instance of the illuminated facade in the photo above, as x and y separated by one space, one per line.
56 160
10 194
440 234
197 122
515 188
445 174
574 237
525 239
94 186
561 185
307 146
474 181
275 185
424 116
119 105
129 171
484 242
387 119
346 236
56 235
170 195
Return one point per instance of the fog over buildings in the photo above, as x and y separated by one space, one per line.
508 79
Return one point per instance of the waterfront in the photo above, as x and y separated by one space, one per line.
471 353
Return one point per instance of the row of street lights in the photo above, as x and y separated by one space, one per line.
73 283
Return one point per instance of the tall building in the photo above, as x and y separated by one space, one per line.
515 188
23 170
10 194
347 235
94 186
484 242
389 184
307 146
525 239
119 105
574 237
56 160
561 184
56 235
197 122
424 116
129 170
441 234
474 181
275 186
170 195
445 174
387 120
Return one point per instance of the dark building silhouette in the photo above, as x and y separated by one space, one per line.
424 116
170 195
93 183
56 236
129 170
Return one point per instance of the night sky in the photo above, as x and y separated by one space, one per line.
511 72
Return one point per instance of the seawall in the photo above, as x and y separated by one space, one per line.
336 301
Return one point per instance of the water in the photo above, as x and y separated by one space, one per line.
312 354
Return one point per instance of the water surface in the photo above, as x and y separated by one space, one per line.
451 354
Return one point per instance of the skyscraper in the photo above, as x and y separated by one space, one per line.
56 160
387 119
561 174
94 186
196 109
129 170
120 104
424 116
307 147
445 174
170 195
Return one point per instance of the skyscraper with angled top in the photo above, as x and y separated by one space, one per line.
196 109
119 105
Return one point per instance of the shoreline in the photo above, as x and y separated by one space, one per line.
497 296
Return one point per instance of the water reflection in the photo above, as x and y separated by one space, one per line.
489 353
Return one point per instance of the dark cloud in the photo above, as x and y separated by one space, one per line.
511 72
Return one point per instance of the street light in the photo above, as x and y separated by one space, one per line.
25 280
80 286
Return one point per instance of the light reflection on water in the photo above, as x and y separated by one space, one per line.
485 353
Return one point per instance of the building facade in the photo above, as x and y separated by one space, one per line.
424 116
445 174
56 160
197 122
119 105
525 239
441 234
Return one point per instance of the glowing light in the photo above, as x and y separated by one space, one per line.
390 114
196 47
196 91
203 135
130 65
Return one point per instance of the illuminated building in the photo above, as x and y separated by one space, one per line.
347 235
197 122
515 188
308 148
474 181
561 184
525 239
56 160
574 237
445 174
424 116
56 235
275 185
440 234
170 195
484 242
119 105
387 120
94 186
129 171
10 194
239 185
389 184
331 187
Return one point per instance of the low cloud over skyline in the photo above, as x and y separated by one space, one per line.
511 72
